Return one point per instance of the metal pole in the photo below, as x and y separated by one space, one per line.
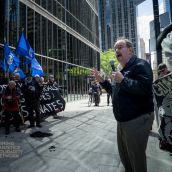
157 30
170 1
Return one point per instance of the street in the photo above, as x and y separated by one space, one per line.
83 140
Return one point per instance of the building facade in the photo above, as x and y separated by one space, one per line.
124 20
142 49
167 8
105 25
63 33
164 21
166 4
117 19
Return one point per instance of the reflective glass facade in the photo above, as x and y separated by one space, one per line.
63 33
105 25
124 20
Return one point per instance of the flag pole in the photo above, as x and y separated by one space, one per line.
5 66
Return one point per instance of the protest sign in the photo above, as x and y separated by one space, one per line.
50 101
162 89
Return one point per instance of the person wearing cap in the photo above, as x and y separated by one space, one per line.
37 78
162 70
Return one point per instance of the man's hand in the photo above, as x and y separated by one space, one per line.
95 73
118 76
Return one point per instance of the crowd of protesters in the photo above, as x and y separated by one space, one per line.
31 88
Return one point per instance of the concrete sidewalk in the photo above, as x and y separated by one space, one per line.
84 140
158 160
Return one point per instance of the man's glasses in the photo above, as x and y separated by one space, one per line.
119 47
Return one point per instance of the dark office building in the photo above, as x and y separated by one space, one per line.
105 25
117 19
63 33
124 20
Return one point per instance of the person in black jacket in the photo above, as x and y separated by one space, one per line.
132 105
32 91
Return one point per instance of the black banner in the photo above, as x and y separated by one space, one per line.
50 101
162 89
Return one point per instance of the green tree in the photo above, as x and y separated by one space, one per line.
77 71
106 57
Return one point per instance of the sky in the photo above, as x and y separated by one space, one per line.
145 15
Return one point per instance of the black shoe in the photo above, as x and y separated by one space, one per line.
56 117
18 129
31 126
38 125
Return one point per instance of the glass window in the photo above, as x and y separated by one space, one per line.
38 33
13 6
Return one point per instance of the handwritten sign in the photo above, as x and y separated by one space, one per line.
50 100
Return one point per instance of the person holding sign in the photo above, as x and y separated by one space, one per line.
133 106
51 82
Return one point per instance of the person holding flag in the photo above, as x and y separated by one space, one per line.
31 88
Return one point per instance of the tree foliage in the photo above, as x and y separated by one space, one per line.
77 71
106 57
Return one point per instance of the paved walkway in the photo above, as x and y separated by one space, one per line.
84 140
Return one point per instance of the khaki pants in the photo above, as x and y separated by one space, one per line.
132 137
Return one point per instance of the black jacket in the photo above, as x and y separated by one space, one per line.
31 91
133 96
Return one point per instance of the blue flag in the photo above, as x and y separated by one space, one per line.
24 48
11 68
11 59
36 68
